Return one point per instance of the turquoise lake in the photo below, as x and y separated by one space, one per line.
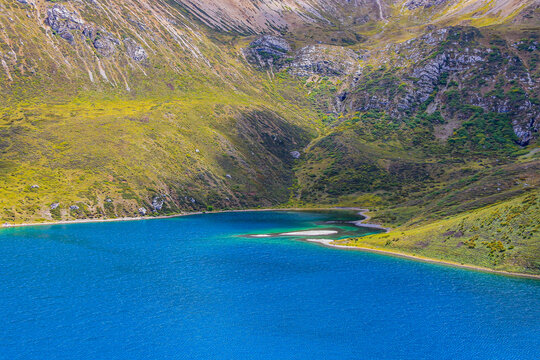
194 288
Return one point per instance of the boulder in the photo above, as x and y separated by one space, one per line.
134 50
63 22
105 45
157 203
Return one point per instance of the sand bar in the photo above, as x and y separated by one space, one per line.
310 233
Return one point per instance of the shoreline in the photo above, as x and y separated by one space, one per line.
323 242
363 212
331 244
137 218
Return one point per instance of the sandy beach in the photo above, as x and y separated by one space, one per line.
310 233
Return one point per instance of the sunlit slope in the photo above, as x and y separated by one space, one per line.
504 236
121 108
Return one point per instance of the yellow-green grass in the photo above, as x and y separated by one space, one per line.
503 236
84 151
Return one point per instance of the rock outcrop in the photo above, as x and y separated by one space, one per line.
157 202
450 68
325 60
69 26
134 50
414 4
268 52
63 22
105 43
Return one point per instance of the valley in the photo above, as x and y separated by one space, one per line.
424 111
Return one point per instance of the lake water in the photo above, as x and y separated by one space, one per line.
192 288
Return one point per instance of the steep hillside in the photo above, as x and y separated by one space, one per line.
128 108
406 114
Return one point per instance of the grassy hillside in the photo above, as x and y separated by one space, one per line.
108 110
504 236
112 155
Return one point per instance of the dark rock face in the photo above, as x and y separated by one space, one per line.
525 131
450 61
268 52
134 50
63 22
430 74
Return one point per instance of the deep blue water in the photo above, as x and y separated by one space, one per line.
189 288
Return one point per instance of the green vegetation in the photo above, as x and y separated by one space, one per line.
504 236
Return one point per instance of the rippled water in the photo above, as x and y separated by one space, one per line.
190 288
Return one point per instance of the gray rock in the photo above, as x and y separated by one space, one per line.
34 187
157 203
63 22
109 200
228 176
89 31
55 205
413 4
134 50
295 154
74 207
267 52
324 60
105 45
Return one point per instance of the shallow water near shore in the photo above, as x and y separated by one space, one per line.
199 287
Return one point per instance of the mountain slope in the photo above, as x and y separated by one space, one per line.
112 107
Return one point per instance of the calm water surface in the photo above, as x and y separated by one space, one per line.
191 288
